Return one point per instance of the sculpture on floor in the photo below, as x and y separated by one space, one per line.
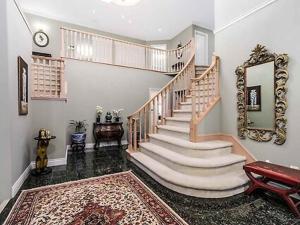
41 161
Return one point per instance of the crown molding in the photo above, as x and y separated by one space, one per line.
245 15
23 16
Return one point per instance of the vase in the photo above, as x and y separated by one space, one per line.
78 137
117 119
108 117
98 119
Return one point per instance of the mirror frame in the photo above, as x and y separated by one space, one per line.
260 55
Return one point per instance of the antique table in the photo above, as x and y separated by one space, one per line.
277 174
108 132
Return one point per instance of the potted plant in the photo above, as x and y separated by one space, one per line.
117 114
79 136
99 111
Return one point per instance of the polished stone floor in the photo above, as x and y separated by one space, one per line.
259 209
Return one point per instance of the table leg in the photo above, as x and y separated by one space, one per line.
254 184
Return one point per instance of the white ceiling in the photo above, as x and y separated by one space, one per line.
149 20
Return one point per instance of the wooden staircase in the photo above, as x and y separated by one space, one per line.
163 137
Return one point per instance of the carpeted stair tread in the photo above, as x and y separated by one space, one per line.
180 119
207 145
213 162
213 183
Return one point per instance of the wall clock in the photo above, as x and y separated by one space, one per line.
41 39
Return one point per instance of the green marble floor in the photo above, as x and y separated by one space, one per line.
259 209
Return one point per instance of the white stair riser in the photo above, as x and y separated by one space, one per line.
191 191
183 124
195 171
174 134
189 107
191 152
183 114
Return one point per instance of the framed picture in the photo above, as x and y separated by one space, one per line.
254 98
23 86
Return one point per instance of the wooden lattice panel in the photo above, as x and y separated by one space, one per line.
47 78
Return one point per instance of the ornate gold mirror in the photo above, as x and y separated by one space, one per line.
261 97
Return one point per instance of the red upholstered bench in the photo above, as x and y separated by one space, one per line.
278 174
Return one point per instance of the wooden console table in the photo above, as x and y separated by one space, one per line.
278 174
108 132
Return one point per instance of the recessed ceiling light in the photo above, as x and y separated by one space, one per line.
94 11
123 2
123 17
159 29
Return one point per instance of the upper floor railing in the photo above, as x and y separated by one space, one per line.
93 47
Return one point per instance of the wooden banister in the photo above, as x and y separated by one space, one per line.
205 95
160 106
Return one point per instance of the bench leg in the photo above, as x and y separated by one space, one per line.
284 194
291 204
254 184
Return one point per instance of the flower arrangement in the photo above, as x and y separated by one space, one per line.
80 125
117 114
99 110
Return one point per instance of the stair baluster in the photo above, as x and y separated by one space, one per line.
205 93
161 105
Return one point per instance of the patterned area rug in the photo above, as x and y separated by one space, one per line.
109 200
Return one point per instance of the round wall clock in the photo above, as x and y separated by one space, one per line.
41 39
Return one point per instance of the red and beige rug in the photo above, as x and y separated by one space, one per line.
109 200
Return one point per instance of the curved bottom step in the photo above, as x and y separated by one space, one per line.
200 193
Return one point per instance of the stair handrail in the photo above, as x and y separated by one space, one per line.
165 99
205 94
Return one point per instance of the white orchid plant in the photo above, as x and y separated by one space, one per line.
117 112
99 110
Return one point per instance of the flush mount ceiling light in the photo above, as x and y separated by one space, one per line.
123 2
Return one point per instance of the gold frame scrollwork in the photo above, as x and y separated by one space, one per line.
258 56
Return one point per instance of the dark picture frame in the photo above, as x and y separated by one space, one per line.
22 86
254 92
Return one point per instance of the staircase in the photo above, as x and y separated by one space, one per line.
163 138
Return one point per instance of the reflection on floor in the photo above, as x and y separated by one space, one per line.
259 209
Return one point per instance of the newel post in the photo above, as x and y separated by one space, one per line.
193 125
130 134
217 58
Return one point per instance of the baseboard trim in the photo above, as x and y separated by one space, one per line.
3 204
90 146
17 185
244 16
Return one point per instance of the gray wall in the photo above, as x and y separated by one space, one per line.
211 124
19 44
15 131
275 26
52 28
5 153
188 34
89 85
